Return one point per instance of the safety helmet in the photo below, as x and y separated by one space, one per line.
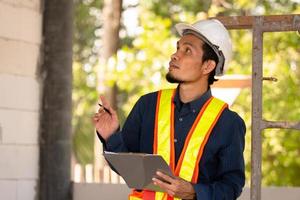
212 32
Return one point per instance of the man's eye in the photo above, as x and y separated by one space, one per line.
188 50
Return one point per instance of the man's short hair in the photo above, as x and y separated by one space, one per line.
209 54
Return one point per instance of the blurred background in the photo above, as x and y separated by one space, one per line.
121 49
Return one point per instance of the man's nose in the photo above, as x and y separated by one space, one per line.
174 56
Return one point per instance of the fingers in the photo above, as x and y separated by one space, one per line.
165 177
101 114
167 182
104 101
103 122
107 107
167 187
174 186
161 184
101 110
96 118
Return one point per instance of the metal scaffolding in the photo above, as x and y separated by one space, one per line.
259 25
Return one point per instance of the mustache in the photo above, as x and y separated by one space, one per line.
173 64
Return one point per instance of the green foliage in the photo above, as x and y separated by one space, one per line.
139 69
141 63
86 24
281 102
85 52
276 7
169 9
84 98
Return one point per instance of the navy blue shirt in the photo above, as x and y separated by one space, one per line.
221 168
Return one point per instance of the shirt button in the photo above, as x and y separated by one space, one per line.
180 119
194 110
175 140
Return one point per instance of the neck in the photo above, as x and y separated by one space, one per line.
191 91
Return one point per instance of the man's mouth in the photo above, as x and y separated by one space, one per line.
172 65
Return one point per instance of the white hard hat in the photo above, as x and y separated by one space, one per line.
214 33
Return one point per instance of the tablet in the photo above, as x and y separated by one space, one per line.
138 169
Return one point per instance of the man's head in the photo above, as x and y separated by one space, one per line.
215 47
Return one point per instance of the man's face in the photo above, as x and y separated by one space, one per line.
186 63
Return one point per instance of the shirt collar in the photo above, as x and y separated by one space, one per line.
195 104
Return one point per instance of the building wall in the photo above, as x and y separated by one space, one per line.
20 42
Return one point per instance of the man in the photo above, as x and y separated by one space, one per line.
197 135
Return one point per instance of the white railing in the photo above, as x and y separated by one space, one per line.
86 174
107 185
96 191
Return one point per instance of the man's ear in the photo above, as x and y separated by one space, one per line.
208 66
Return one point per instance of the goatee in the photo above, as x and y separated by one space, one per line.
172 79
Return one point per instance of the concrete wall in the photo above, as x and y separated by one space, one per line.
20 39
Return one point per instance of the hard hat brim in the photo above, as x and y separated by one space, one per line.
180 27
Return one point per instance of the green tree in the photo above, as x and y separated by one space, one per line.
84 98
280 103
280 164
87 25
141 63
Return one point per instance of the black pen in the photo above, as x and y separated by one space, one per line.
106 110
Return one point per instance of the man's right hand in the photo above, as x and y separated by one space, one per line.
106 123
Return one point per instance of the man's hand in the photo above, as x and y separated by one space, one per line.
176 187
106 120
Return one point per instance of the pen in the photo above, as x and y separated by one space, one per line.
106 110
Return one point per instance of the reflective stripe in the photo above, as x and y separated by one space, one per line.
160 196
135 195
163 144
198 136
131 197
163 125
163 196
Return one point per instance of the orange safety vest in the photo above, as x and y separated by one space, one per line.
187 166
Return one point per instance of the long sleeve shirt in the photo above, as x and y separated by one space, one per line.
221 168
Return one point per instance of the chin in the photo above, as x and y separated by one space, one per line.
171 79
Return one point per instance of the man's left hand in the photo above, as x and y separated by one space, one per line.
175 186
